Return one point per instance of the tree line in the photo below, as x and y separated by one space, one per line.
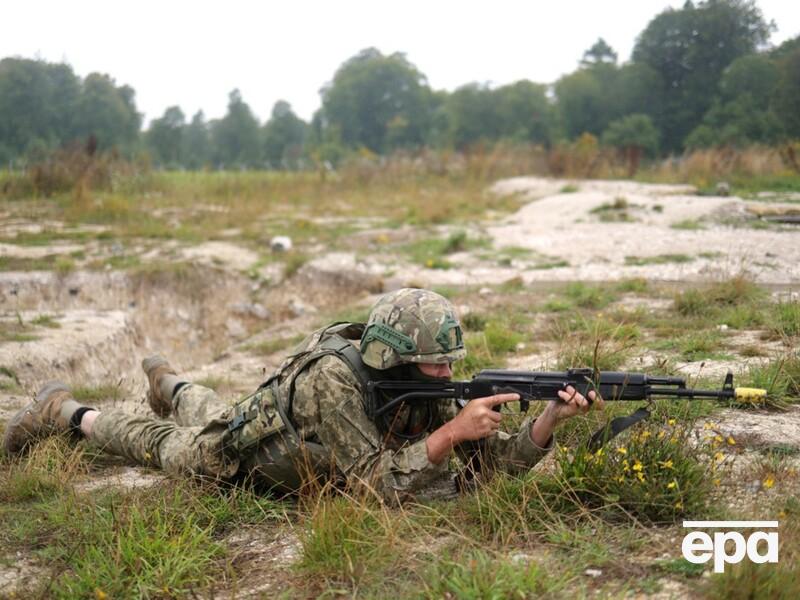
699 76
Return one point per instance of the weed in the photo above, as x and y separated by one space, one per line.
268 347
750 580
688 225
654 474
660 259
557 305
473 321
588 296
46 321
293 261
780 377
99 393
569 188
637 285
476 574
347 539
786 321
681 566
600 343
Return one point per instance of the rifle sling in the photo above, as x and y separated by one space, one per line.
615 427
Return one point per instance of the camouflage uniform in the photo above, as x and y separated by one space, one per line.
318 427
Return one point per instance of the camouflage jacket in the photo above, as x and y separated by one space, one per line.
328 409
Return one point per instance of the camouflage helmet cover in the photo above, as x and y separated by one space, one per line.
412 326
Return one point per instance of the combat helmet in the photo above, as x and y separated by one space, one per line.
412 326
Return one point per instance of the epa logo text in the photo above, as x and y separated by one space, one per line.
699 547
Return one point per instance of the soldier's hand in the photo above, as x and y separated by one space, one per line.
478 419
574 403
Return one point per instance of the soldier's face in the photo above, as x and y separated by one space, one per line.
440 370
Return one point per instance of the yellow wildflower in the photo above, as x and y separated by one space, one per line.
637 466
719 457
625 466
718 438
679 505
622 450
717 482
599 452
661 435
621 478
671 422
672 484
640 476
708 425
667 464
769 481
100 594
731 441
429 263
645 434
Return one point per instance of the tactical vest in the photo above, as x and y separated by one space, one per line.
262 433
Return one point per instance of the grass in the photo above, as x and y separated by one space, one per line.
99 393
164 541
268 347
659 259
688 225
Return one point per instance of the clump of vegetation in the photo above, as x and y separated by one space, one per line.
432 253
706 301
347 539
589 296
487 346
476 574
688 225
637 285
615 212
780 377
660 259
654 472
599 343
746 580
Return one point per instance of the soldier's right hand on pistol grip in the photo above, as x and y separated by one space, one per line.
478 419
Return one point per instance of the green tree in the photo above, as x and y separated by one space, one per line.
584 101
599 53
37 106
786 99
742 114
524 113
633 135
472 116
196 152
283 137
108 113
165 137
690 48
377 101
236 136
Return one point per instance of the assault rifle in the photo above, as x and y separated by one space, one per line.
385 396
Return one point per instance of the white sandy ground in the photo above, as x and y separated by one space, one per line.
561 226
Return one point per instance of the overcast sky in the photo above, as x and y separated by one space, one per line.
192 53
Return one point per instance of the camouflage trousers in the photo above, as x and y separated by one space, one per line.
196 442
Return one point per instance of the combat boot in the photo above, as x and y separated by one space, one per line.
163 379
48 414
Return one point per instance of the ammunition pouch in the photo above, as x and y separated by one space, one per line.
254 419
